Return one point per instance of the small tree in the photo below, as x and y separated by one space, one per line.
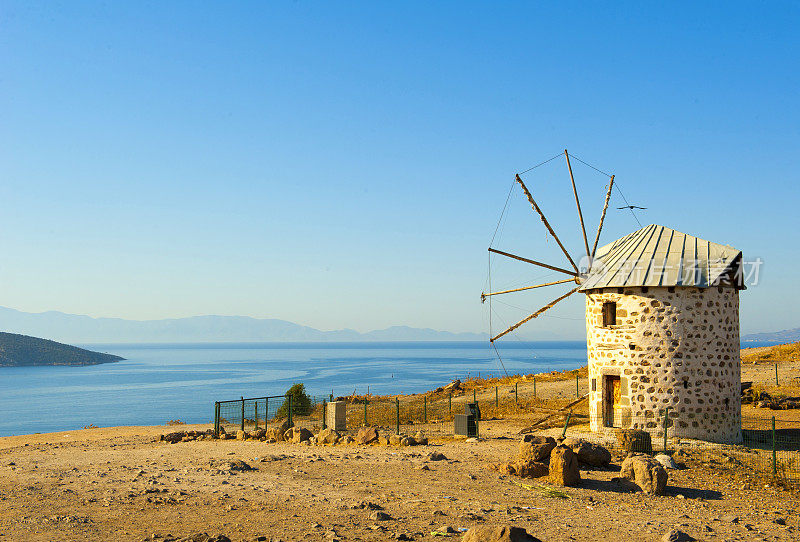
301 402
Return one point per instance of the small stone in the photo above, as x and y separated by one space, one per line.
437 456
780 521
730 518
379 516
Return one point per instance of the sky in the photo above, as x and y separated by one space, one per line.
345 165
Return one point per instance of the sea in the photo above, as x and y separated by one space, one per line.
157 383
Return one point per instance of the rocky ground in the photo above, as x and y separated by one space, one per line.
125 484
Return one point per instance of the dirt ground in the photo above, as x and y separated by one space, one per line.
124 484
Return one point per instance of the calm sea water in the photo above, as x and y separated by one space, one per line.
157 383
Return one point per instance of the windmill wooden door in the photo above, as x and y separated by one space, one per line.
613 392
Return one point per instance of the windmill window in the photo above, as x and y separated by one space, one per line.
609 313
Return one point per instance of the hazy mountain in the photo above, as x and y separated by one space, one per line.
21 350
787 336
84 329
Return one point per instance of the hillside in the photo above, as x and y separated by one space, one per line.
22 350
781 352
784 336
81 329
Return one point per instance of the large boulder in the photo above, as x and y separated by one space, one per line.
367 435
530 469
327 436
564 466
635 440
534 448
494 533
277 431
645 472
298 435
589 453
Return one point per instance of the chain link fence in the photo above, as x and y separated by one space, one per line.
247 414
770 444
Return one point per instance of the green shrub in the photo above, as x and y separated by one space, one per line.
301 402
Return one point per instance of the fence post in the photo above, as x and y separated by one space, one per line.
516 393
564 433
666 421
496 399
774 450
289 418
425 409
577 384
776 375
216 419
450 403
534 385
324 412
365 411
242 425
255 412
474 400
397 413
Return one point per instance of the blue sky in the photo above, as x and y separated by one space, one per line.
345 165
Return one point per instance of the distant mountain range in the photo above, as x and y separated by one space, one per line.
785 336
21 351
86 330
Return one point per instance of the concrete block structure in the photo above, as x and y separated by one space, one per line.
662 322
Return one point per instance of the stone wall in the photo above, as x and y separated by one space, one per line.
671 347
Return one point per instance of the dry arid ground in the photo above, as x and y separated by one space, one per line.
124 484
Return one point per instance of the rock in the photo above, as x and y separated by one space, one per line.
241 435
455 385
419 436
674 535
634 440
645 472
666 461
408 441
530 469
437 456
490 533
383 441
277 432
203 537
564 466
534 448
377 515
232 465
367 435
779 521
394 440
347 439
327 436
589 453
172 438
300 434
730 518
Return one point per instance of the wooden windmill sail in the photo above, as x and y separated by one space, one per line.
575 275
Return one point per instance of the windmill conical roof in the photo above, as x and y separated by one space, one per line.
660 256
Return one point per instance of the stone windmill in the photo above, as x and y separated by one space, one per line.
662 323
